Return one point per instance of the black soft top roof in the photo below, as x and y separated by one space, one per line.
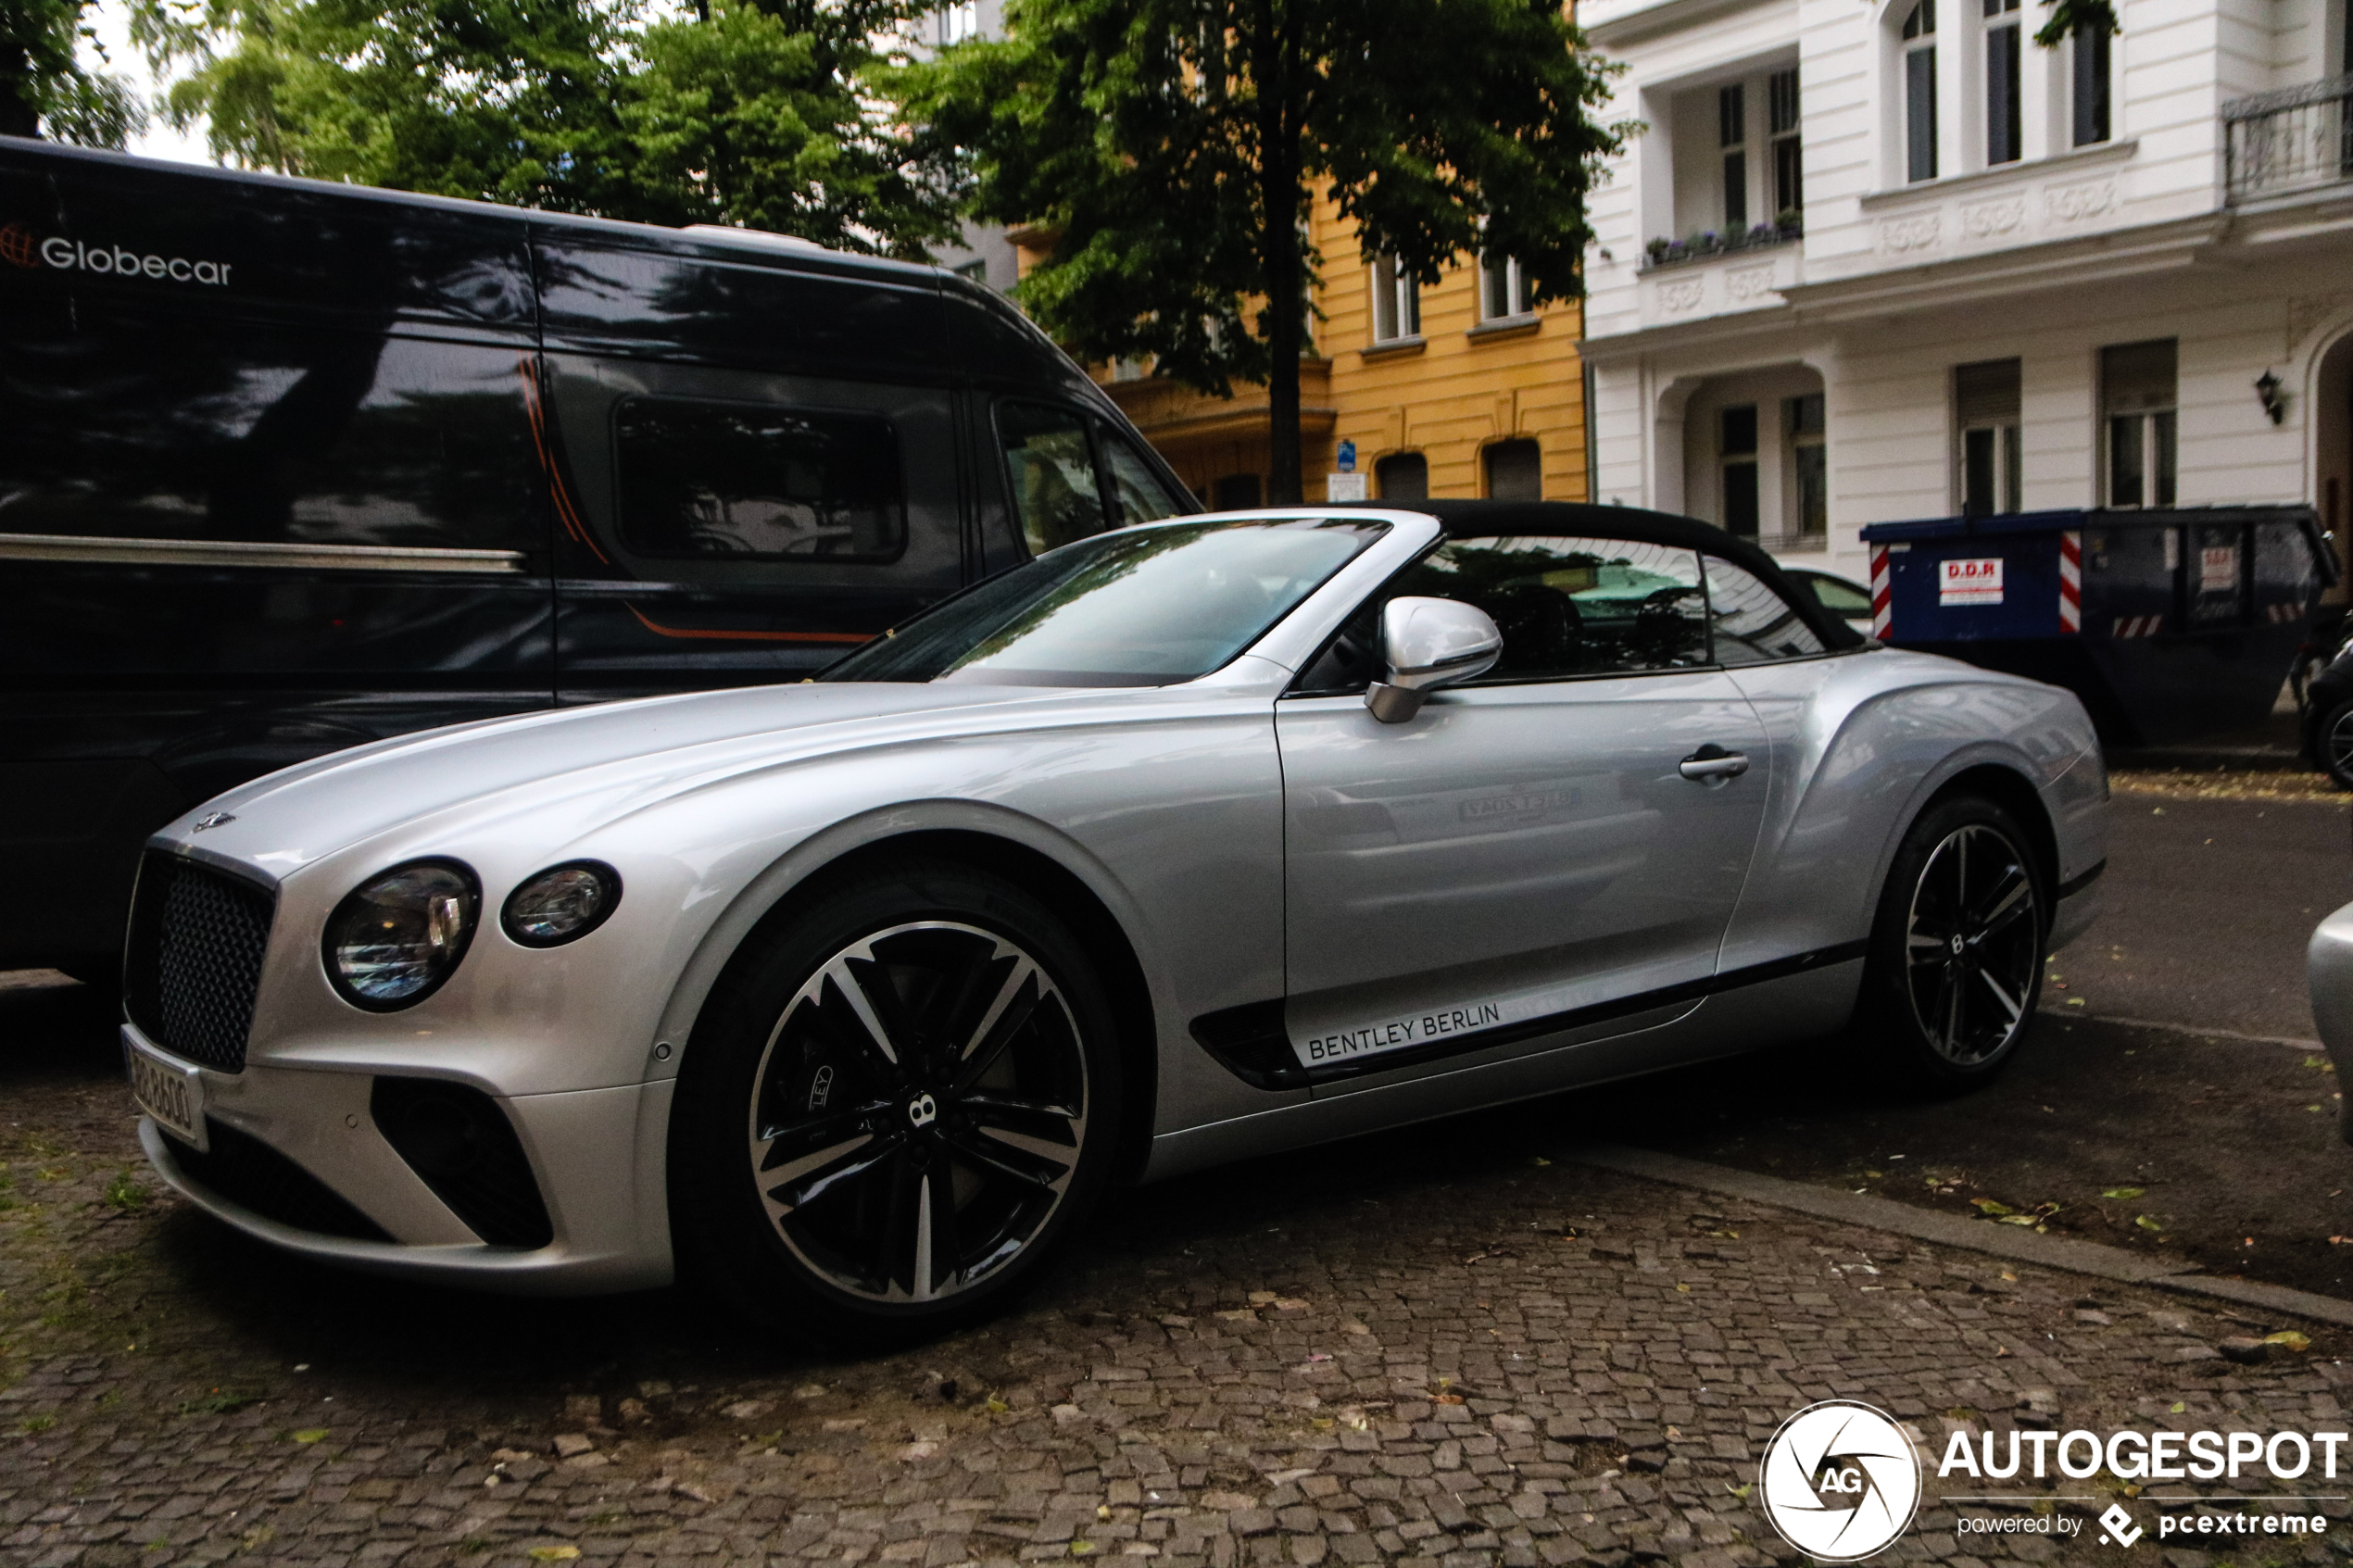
1490 519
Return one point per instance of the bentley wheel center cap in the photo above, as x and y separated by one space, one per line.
923 1110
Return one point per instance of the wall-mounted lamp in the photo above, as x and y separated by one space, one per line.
2266 389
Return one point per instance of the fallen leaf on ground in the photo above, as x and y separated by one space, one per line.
2288 1339
2124 1192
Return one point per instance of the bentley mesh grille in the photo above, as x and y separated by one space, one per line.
194 963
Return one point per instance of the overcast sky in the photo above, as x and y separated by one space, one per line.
111 19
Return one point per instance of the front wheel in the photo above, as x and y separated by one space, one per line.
898 1103
1955 963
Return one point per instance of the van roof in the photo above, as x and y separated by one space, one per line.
790 248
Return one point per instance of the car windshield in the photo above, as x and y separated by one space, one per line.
1142 606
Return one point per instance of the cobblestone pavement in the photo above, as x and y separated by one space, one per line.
1451 1347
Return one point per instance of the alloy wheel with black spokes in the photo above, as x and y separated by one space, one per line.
895 1106
1970 945
919 1112
1955 961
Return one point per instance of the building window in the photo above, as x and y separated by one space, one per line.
2137 405
1515 471
2004 116
1235 493
1403 476
1737 449
1809 466
1731 134
957 22
1985 409
1919 92
2091 51
1502 289
1397 302
1789 158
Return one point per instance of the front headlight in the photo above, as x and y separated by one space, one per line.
561 904
396 937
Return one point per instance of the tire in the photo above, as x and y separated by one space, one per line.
895 1106
2333 744
1954 966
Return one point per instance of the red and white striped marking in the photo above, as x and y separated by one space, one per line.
2139 626
1882 619
2283 613
2072 581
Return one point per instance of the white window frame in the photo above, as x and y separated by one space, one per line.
1397 302
1515 283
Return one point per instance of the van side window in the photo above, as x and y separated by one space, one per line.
1136 490
1052 472
758 482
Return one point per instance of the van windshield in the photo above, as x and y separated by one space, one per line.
1142 606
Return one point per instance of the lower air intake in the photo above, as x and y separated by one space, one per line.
458 1140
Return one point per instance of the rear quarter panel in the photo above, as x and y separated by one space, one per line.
1860 743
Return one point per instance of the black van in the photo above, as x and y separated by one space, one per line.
286 467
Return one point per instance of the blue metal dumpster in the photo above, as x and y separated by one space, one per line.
2169 623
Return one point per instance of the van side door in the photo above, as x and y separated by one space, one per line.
754 468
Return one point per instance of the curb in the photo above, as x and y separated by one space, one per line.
2017 1243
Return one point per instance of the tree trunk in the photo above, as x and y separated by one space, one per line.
17 115
1284 259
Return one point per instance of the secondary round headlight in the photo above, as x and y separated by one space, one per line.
561 904
396 937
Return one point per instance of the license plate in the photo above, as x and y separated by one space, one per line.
170 1093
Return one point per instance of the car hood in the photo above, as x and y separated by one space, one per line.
570 768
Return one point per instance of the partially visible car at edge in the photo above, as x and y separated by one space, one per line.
1842 596
1174 845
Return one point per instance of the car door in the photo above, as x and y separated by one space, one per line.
1529 854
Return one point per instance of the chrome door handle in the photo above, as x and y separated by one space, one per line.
1712 764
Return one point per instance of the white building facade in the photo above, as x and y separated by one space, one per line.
1874 260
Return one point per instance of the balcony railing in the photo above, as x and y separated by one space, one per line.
2297 139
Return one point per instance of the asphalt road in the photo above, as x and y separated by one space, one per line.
2208 905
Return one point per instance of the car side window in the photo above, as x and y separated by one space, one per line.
1051 471
1752 623
1136 490
1567 606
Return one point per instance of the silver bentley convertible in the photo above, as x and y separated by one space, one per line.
1174 845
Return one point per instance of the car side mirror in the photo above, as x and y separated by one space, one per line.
1427 644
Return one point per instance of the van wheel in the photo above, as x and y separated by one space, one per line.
1955 961
2333 744
895 1108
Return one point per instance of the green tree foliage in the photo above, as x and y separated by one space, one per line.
508 100
752 112
44 90
759 115
1172 147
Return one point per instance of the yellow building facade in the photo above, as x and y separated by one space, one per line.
1460 389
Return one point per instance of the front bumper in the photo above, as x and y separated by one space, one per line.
595 1155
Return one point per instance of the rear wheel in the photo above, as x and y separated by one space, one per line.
1955 963
898 1104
